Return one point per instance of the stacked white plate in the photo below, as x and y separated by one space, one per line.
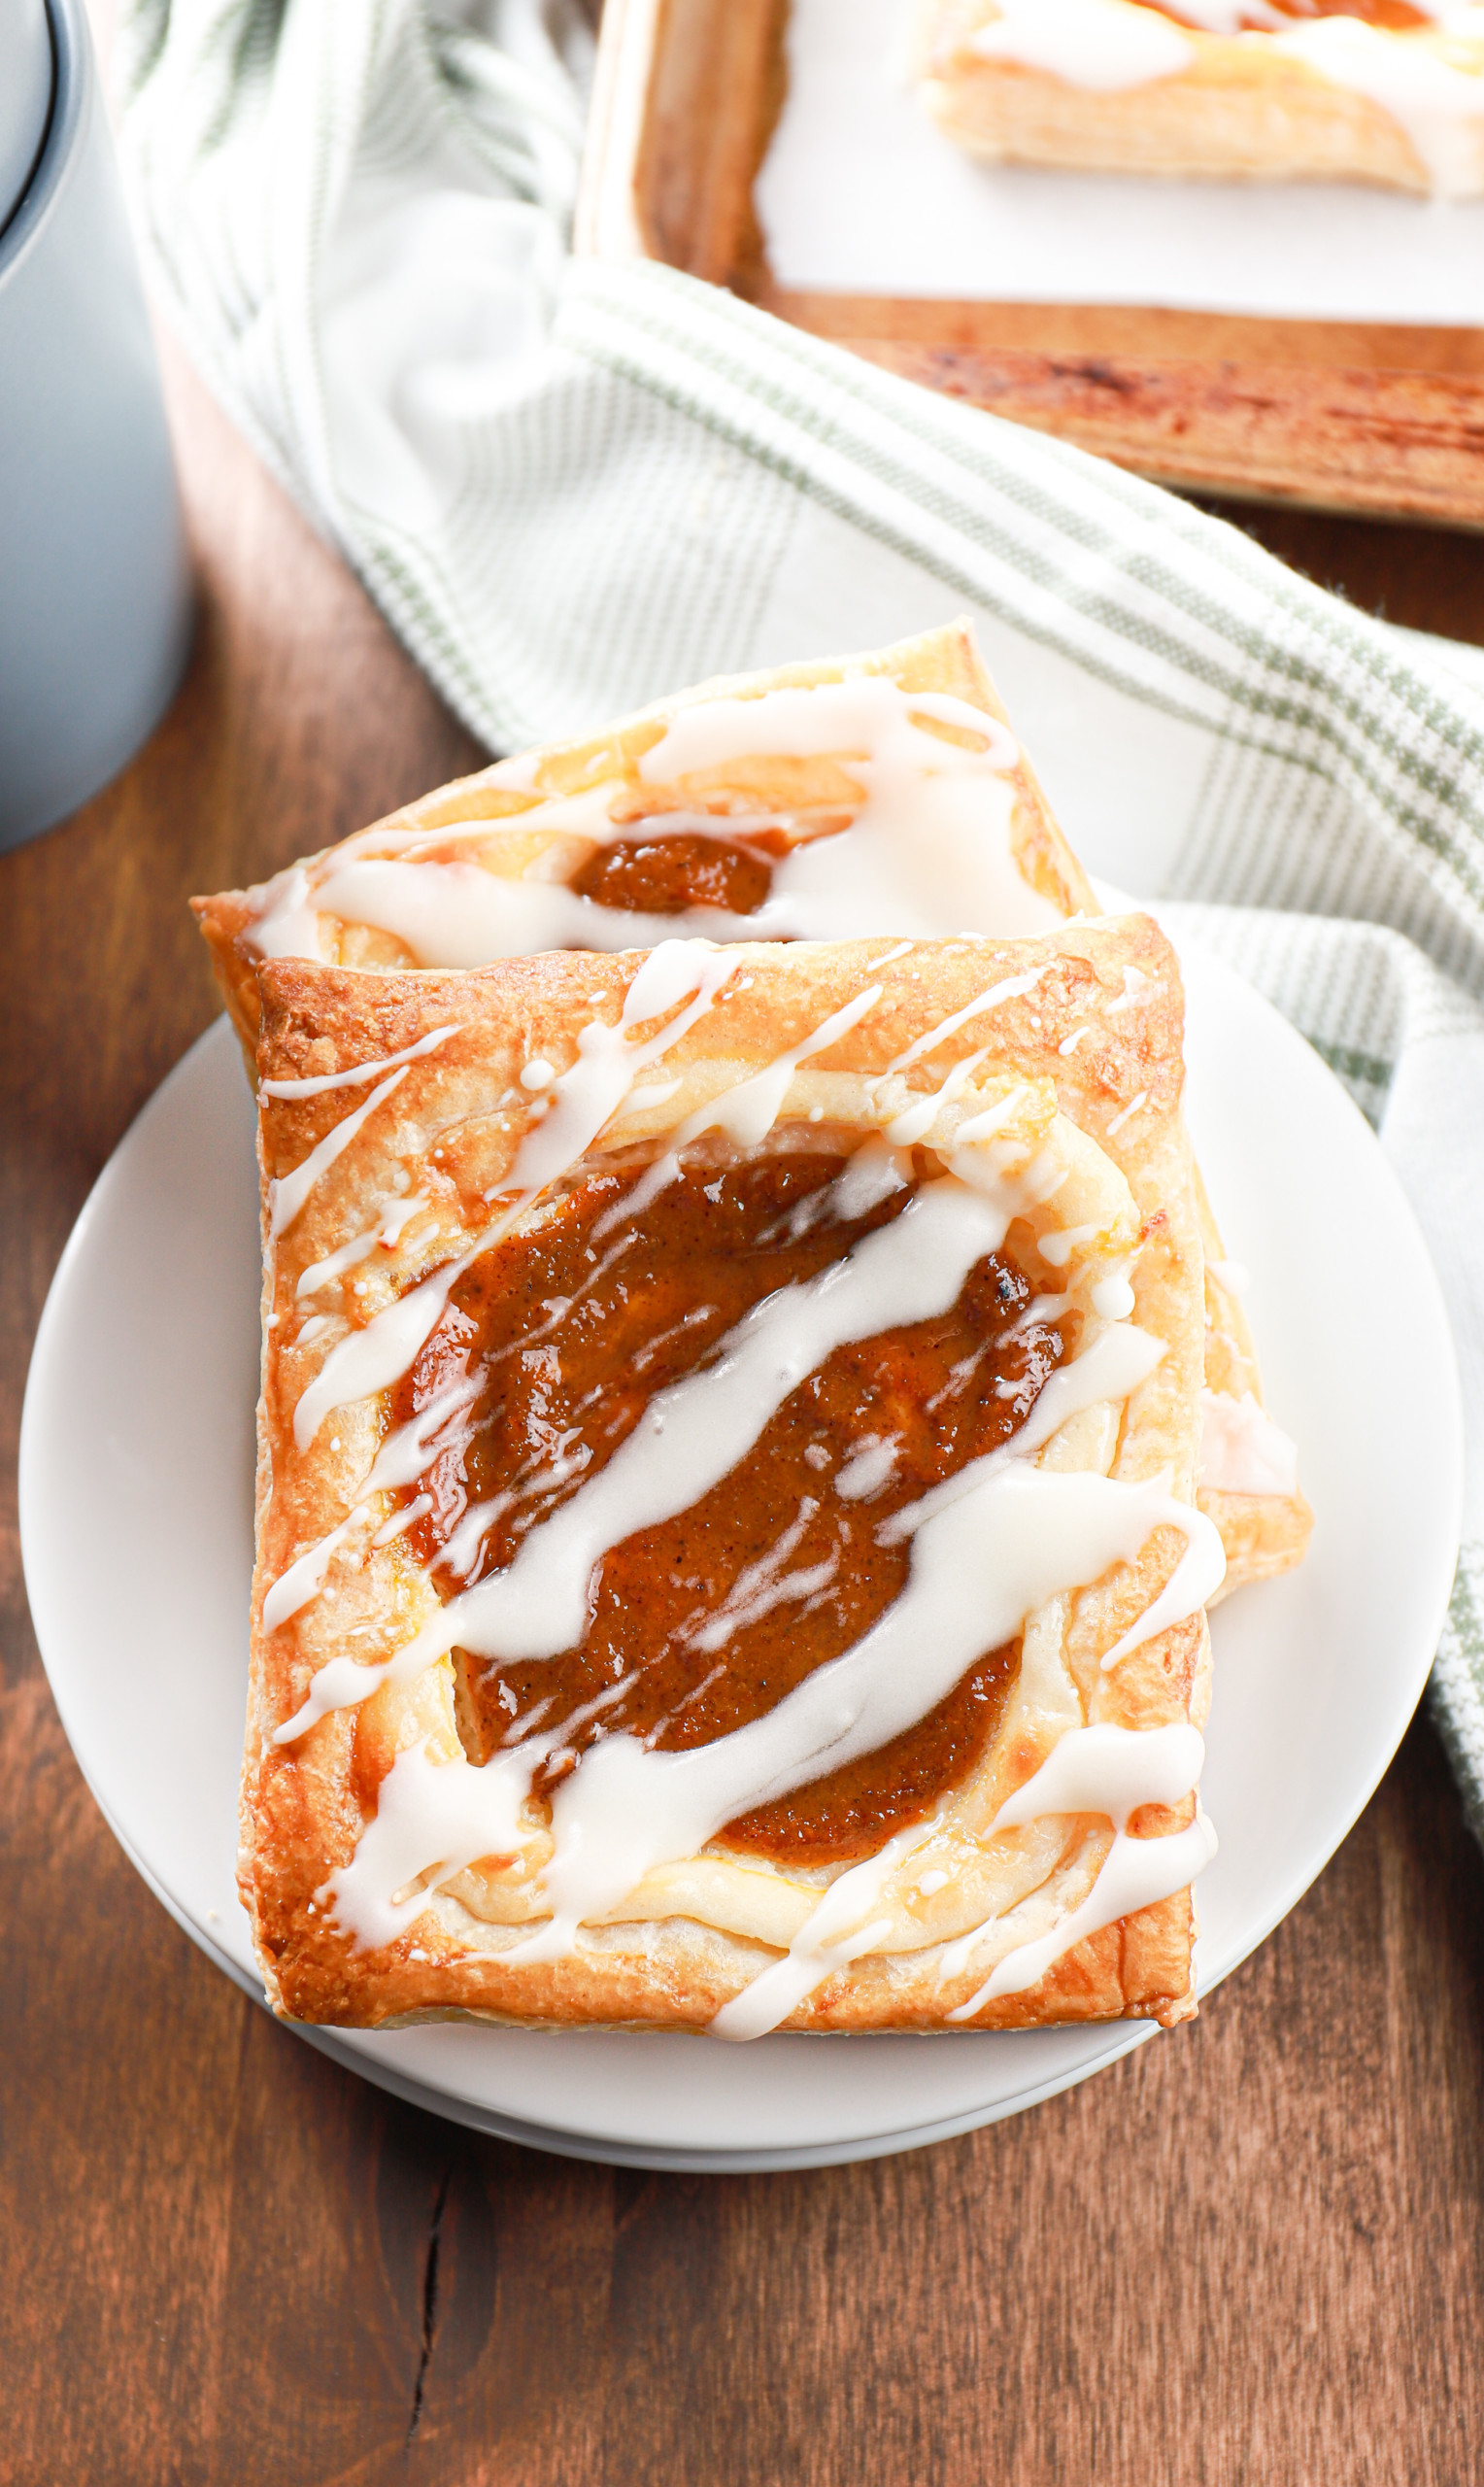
136 1517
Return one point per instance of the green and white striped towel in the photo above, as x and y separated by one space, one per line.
572 487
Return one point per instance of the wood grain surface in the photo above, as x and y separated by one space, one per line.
1254 2251
1399 444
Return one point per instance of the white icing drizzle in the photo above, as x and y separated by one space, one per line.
865 713
983 1168
763 1585
871 1176
1112 1295
970 1136
384 1348
1056 1250
747 1110
1135 1873
829 1938
1192 1585
604 1513
403 1456
375 1357
432 1820
1242 1452
1149 1505
399 1214
1126 1113
1134 982
461 915
303 1581
461 1551
868 1468
411 1451
653 1094
914 1122
1004 991
402 1520
1107 1770
287 1196
360 1071
321 1274
288 926
1439 106
655 1178
1100 1769
928 851
1100 44
608 1060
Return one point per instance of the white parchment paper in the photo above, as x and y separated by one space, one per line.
862 194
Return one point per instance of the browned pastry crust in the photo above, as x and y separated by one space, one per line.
807 795
1244 108
683 1943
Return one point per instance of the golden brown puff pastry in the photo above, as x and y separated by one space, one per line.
1220 89
785 1609
735 811
943 827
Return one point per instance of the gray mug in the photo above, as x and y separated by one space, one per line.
94 585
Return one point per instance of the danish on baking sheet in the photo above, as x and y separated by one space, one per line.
882 793
1382 91
727 1543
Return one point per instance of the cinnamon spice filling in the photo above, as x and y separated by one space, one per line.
703 1623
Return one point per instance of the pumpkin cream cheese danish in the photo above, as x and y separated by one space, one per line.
727 1554
876 794
1383 91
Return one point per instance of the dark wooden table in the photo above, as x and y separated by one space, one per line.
1254 2251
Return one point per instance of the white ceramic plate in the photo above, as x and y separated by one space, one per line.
136 1521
